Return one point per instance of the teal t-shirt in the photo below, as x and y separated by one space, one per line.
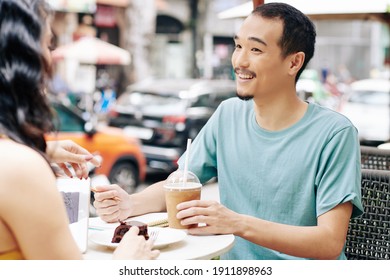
290 176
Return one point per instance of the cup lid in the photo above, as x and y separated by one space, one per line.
178 177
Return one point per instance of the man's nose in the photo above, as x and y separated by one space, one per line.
241 59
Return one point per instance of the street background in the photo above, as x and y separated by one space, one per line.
103 47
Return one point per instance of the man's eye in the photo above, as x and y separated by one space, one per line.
256 50
237 46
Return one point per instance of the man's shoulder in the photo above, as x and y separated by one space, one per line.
330 116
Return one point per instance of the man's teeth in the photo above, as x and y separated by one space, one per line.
245 76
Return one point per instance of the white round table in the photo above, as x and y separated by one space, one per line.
192 247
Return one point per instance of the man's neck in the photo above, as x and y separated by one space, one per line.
280 112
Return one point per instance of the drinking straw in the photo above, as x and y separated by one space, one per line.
186 161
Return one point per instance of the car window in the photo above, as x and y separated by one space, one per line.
218 98
212 100
141 98
152 102
370 97
202 101
68 121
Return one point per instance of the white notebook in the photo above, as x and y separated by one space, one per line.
76 194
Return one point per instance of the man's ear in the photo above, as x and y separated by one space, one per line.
295 62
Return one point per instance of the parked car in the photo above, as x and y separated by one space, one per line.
367 105
122 159
163 114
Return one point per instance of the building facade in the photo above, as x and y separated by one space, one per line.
185 38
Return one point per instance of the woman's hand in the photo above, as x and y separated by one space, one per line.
67 152
135 247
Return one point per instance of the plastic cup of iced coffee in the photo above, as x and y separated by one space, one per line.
179 188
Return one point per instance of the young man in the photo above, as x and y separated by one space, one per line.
288 171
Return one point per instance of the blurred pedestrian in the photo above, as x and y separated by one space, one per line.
288 171
108 99
85 28
33 219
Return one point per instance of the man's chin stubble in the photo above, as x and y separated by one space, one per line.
244 97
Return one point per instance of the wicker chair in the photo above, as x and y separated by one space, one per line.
368 235
374 158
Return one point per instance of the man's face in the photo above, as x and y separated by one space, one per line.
257 61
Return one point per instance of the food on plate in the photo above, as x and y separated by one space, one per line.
125 226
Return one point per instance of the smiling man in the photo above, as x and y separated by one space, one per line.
288 171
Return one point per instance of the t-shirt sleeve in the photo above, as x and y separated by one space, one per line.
339 177
203 161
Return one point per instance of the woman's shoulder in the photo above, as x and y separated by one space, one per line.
19 162
13 152
25 175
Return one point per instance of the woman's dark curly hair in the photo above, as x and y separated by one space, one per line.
25 114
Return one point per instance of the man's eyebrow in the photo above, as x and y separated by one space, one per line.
258 40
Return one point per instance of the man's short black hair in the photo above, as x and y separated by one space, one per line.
299 34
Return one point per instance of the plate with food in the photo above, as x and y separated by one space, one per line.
164 236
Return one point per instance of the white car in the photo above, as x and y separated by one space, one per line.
367 105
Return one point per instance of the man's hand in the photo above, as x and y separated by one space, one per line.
217 219
112 203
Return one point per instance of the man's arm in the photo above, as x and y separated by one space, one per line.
151 199
112 203
324 241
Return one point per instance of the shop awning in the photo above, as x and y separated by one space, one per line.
116 3
318 9
91 50
75 6
84 6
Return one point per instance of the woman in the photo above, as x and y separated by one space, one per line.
33 220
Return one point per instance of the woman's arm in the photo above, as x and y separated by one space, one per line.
34 211
33 208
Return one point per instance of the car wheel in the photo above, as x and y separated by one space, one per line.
125 174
